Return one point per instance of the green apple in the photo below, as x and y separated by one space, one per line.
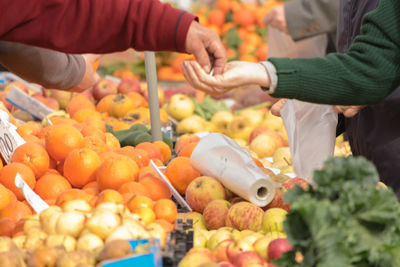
272 220
221 120
192 124
282 154
240 128
180 106
264 146
199 239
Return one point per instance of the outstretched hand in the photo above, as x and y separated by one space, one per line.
207 48
235 74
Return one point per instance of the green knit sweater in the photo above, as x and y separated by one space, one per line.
364 75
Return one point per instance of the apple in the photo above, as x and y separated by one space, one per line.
248 258
257 131
287 169
245 215
277 247
289 184
199 239
237 199
104 87
272 221
261 246
264 146
252 238
62 97
180 107
221 120
202 191
197 219
197 257
226 264
48 101
278 202
192 124
17 84
205 251
282 132
184 140
215 213
282 154
240 128
220 251
128 85
237 247
273 122
219 236
255 116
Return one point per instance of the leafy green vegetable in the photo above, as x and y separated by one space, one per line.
208 107
344 220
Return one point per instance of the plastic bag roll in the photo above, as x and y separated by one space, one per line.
218 156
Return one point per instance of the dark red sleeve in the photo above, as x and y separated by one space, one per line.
96 26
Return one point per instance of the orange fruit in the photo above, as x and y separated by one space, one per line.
134 188
8 173
7 226
104 104
32 139
111 154
130 152
168 227
16 211
157 188
80 166
166 209
187 150
146 171
77 103
33 155
95 143
120 105
83 114
110 195
72 194
165 150
262 52
244 17
147 215
99 124
92 184
165 73
180 173
113 173
29 128
90 130
143 156
137 99
61 140
111 141
5 197
184 140
138 202
153 150
50 186
216 17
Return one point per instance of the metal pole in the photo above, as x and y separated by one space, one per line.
151 78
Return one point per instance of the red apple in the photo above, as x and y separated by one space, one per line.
237 247
278 202
128 85
220 251
205 251
245 215
295 181
103 88
277 247
215 213
248 258
202 191
257 131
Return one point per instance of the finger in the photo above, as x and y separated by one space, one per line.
277 107
193 78
201 55
268 18
218 55
207 81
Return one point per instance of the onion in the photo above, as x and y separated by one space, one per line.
89 242
78 205
103 224
68 242
70 223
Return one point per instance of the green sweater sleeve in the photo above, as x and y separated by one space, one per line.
364 75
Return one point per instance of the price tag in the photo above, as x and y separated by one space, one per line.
27 103
175 193
8 142
31 197
113 78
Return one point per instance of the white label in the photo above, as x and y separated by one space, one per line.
27 103
113 79
31 197
7 142
175 193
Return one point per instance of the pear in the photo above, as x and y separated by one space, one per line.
221 120
192 124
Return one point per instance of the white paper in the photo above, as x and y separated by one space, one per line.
31 197
9 138
218 156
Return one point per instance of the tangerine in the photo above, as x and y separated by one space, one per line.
8 173
50 186
33 155
113 173
180 173
166 209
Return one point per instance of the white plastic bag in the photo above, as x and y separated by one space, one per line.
311 128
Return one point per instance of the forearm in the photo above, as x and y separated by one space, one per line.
95 26
48 68
308 18
364 75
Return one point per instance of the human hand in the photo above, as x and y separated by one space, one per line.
90 77
207 48
276 108
276 19
348 111
235 74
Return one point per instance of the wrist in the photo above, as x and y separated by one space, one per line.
264 79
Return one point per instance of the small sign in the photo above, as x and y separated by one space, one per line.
113 79
27 103
175 193
7 141
31 197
